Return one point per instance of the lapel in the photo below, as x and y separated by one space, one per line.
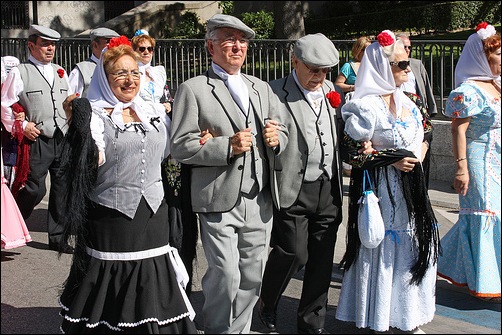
296 103
227 103
331 110
254 101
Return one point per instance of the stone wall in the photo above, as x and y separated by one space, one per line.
78 18
442 162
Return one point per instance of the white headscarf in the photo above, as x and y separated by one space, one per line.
101 95
375 78
473 63
144 67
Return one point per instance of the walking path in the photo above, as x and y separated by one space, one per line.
32 275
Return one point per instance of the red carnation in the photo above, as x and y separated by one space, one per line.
334 98
61 73
116 41
386 38
482 25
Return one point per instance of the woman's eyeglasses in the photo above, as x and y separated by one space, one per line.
403 65
124 74
142 49
317 70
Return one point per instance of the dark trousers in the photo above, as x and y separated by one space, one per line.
44 158
304 235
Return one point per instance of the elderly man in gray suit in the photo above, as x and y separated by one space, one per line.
230 178
309 182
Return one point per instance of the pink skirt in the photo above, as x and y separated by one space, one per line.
14 231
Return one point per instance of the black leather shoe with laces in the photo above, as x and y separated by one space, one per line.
268 318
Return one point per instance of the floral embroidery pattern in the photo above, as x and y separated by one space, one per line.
61 73
459 99
427 122
173 173
334 99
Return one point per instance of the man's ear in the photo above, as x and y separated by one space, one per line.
210 47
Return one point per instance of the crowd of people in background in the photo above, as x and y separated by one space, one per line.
254 169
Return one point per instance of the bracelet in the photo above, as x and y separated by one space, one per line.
459 174
460 159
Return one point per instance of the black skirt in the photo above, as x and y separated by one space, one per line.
133 296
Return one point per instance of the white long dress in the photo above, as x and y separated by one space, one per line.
376 290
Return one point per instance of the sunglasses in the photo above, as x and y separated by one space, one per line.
407 47
142 49
403 65
317 70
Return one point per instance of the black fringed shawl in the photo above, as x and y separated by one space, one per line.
78 172
417 201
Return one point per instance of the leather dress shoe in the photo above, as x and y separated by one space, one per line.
312 331
269 319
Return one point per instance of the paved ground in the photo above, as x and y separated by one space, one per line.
32 275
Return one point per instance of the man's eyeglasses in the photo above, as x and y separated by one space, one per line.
124 74
233 41
142 49
317 70
403 65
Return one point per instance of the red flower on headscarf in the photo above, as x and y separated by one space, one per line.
386 38
61 73
485 30
334 99
116 41
482 25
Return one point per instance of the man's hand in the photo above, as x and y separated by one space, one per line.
271 133
242 141
31 132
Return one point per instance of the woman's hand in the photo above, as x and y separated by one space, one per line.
367 148
461 182
167 106
19 116
425 148
406 164
67 105
204 136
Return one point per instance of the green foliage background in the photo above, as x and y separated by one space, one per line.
342 20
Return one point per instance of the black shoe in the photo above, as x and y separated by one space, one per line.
312 331
269 319
65 249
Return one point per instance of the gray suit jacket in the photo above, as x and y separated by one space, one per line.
423 86
291 163
204 103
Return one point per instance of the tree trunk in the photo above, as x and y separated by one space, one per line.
289 22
